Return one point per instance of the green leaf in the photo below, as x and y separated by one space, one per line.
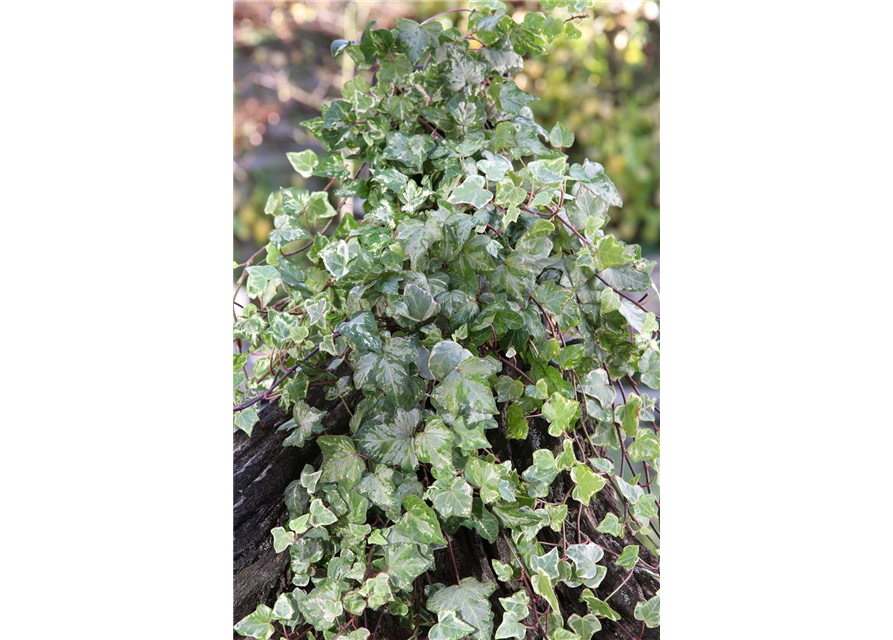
451 498
612 525
628 414
304 162
419 523
516 423
472 192
246 419
340 462
561 136
629 558
561 413
513 99
470 600
449 627
587 483
598 607
390 442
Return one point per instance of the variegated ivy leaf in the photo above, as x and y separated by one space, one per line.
515 608
612 525
405 563
645 447
335 257
418 39
340 462
262 283
541 473
417 305
586 557
446 357
649 612
257 624
377 591
305 423
282 539
598 607
471 192
434 445
246 419
595 384
585 626
419 522
320 516
631 491
628 414
542 585
470 600
547 563
362 331
561 136
629 558
304 162
511 98
449 627
494 167
451 497
390 442
561 413
587 483
503 571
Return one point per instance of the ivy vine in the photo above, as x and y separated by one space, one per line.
477 292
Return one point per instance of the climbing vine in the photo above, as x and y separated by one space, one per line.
476 300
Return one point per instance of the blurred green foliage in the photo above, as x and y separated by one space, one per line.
604 86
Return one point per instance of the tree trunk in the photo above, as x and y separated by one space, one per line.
262 468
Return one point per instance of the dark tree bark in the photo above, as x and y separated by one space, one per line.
262 468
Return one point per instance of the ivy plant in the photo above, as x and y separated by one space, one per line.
476 294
